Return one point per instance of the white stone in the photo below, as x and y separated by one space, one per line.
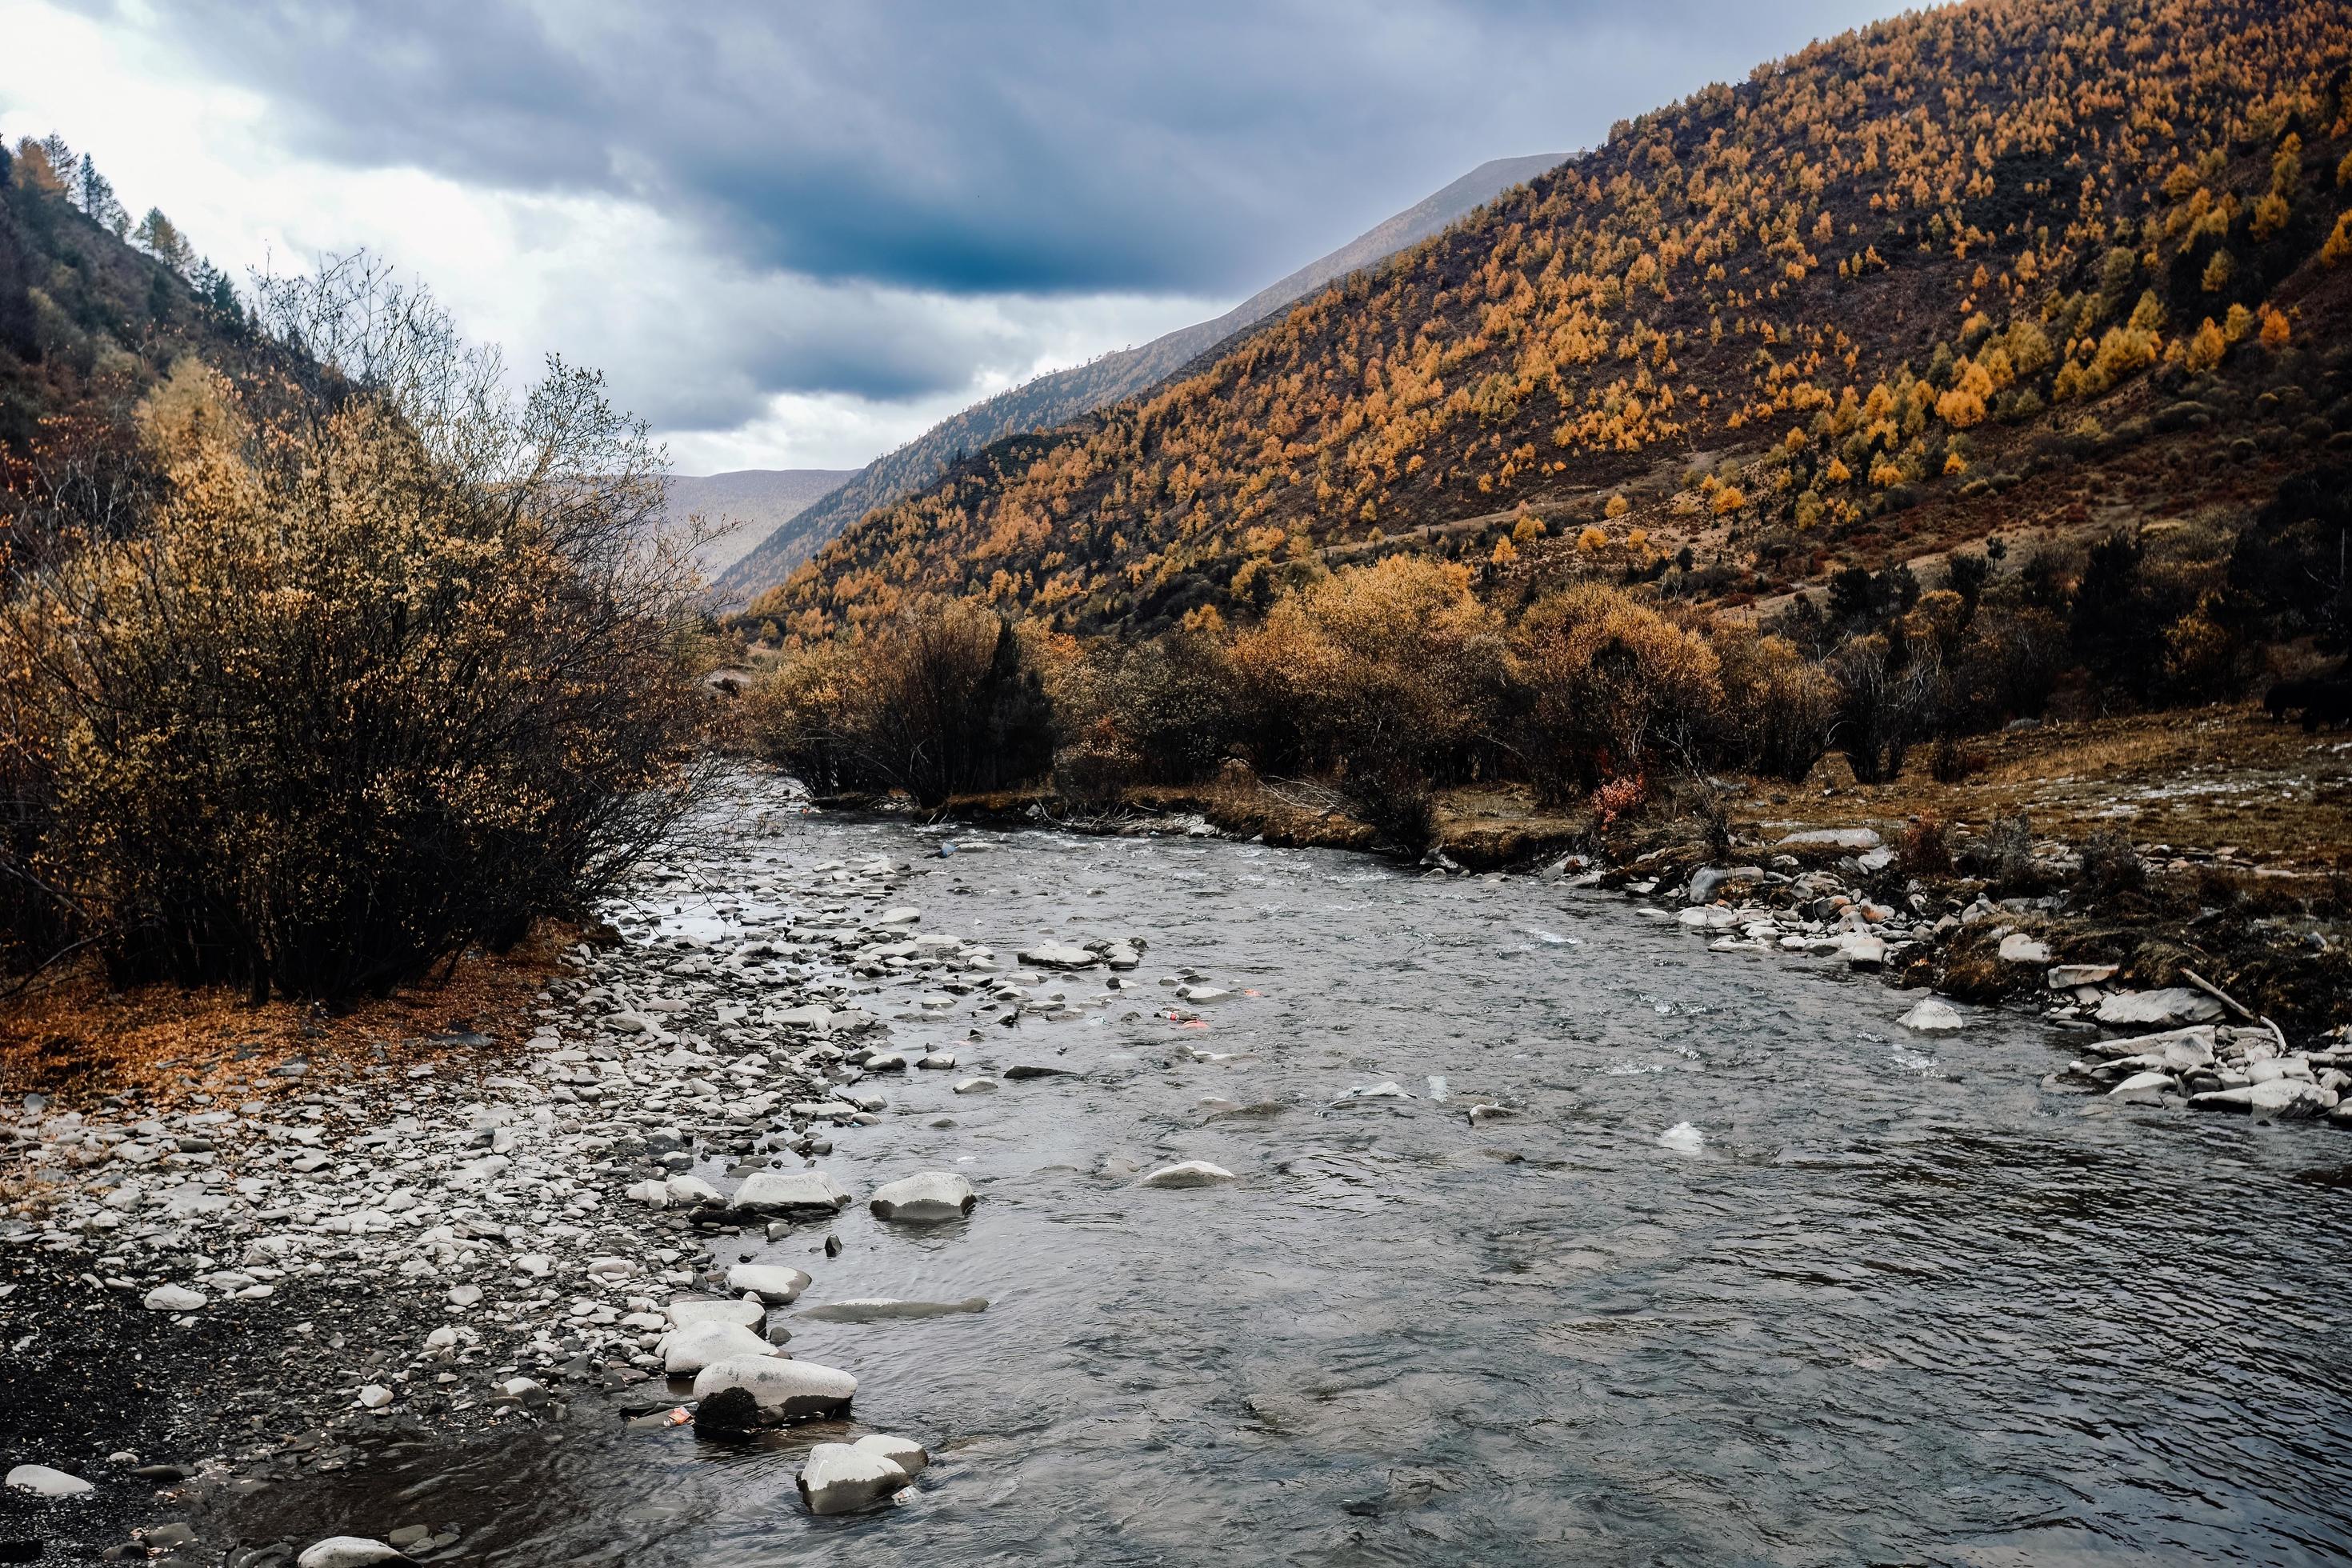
773 1283
697 1345
376 1396
42 1481
1190 1174
842 1478
924 1198
2281 1099
905 1452
2168 1008
683 1191
173 1299
977 1086
2019 948
784 1192
1055 956
783 1389
1863 952
2147 1088
2066 976
348 1551
903 915
1836 837
465 1294
733 1310
1932 1017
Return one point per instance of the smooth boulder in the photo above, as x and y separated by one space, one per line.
773 1283
790 1192
1190 1174
349 1551
40 1480
2166 1009
697 1345
775 1389
1931 1016
704 1309
927 1197
842 1478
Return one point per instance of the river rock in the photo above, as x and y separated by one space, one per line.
684 1192
2145 1088
2066 976
2019 948
905 1452
173 1299
776 1285
1931 1016
924 1198
40 1480
774 1389
883 1309
2281 1099
843 1477
977 1086
1055 956
1707 879
736 1309
2166 1009
1190 1174
1835 837
790 1192
349 1551
1863 952
697 1345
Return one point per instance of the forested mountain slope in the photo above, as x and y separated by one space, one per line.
1833 313
89 318
1065 395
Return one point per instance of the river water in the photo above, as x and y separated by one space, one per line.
1899 1303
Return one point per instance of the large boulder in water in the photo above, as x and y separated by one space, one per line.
790 1192
768 1389
349 1551
927 1197
697 1345
733 1310
1190 1174
843 1477
774 1283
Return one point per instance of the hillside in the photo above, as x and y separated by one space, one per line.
757 501
2045 263
1049 400
87 321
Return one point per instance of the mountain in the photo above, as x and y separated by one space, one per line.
1985 267
1049 400
758 500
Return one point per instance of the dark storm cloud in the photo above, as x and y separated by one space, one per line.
1035 148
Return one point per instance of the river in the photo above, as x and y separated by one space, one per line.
1896 1301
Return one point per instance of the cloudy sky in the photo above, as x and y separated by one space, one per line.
796 234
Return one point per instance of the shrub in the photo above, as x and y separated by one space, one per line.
936 702
1393 663
385 674
1779 710
1611 687
1886 702
1952 763
1923 850
2003 855
2110 866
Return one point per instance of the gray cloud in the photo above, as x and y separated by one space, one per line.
1057 145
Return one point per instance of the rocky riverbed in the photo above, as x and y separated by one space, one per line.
834 1168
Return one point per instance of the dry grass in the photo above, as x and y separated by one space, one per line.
167 1047
2197 779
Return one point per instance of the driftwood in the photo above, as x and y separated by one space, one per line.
2233 1005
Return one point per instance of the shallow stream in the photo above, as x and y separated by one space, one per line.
1899 1303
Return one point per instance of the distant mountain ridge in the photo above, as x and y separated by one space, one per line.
759 501
1050 400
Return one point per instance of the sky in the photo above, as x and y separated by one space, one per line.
795 235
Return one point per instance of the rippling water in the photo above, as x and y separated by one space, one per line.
1901 1304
